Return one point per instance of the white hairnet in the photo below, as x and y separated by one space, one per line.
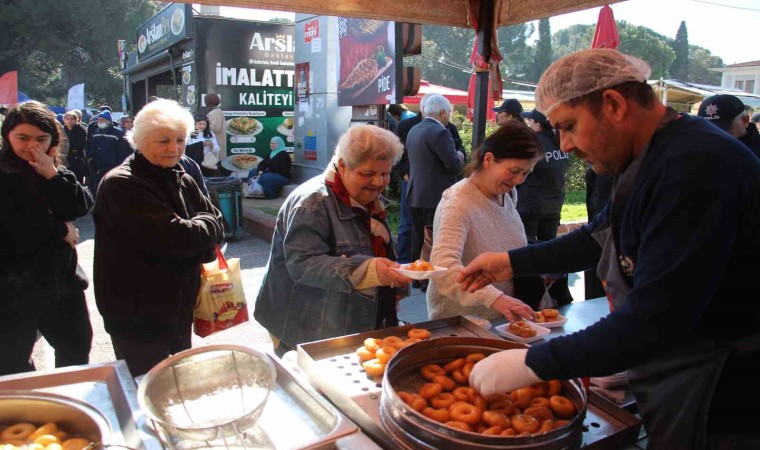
586 71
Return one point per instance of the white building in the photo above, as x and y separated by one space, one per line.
743 76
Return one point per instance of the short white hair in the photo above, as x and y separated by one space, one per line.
435 104
424 100
364 142
160 115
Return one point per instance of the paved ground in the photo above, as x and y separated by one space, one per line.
253 253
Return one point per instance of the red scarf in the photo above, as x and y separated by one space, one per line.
373 214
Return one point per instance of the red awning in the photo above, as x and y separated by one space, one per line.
455 96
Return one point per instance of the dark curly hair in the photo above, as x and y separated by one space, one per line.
513 140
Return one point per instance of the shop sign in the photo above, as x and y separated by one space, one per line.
366 75
310 31
170 26
254 74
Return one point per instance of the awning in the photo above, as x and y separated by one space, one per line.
455 96
436 12
678 93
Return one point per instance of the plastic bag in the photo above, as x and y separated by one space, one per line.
221 300
547 301
210 160
254 189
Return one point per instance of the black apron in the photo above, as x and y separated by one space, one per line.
673 392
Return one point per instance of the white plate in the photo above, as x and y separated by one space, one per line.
284 131
227 164
540 333
421 275
559 323
259 128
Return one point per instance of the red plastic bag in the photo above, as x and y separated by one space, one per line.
221 300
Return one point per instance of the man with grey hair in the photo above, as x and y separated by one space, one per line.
674 245
401 172
434 165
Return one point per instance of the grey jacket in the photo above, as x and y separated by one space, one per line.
433 161
318 243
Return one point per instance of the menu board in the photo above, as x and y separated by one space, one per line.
251 66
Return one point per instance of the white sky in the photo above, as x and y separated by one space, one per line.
725 27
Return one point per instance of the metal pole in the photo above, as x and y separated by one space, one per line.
485 34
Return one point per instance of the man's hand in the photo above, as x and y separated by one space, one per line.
485 269
502 372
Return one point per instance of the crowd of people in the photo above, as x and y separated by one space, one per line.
672 243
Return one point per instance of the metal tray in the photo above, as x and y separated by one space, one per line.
108 387
294 417
334 368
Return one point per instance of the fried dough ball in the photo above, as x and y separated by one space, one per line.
524 423
431 371
374 367
446 383
554 387
439 415
458 425
562 406
430 390
75 444
415 401
19 431
442 400
365 354
454 365
539 412
467 413
494 418
522 397
418 333
550 313
384 354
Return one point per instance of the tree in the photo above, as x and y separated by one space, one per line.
517 53
680 67
445 57
543 56
700 61
635 40
55 45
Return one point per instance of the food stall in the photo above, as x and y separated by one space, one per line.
327 401
183 56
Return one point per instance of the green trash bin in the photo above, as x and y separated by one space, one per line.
226 194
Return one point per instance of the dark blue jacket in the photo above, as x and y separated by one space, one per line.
690 235
107 148
543 192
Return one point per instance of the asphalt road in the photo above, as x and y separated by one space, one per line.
253 254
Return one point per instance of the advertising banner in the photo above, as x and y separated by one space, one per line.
367 52
76 97
303 87
173 24
251 66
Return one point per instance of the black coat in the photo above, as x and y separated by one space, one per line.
402 131
36 264
153 229
280 164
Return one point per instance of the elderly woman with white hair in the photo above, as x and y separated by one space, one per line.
330 269
153 230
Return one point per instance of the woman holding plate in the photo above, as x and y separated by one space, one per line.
273 172
331 266
477 215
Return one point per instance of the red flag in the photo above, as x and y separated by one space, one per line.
9 88
490 114
606 35
477 59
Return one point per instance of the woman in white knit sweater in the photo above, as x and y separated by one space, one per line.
478 215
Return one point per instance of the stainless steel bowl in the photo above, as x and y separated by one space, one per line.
208 393
73 416
413 430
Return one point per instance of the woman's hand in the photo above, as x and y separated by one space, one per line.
72 237
512 308
43 163
388 276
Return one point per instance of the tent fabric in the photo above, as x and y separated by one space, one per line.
455 96
490 113
9 88
478 61
606 34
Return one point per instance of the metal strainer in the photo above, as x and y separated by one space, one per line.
208 393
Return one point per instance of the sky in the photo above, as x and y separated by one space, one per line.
725 27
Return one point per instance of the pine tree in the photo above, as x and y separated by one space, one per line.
680 67
543 56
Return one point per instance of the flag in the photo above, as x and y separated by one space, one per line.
9 88
606 34
490 114
76 97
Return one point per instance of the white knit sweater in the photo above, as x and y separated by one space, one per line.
467 223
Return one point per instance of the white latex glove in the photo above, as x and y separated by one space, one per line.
502 372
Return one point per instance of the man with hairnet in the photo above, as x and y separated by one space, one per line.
676 246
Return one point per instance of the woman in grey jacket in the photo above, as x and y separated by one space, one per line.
330 269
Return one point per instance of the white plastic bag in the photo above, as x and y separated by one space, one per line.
547 302
254 189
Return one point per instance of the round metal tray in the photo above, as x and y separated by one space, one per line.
415 431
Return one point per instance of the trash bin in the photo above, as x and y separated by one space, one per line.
226 194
